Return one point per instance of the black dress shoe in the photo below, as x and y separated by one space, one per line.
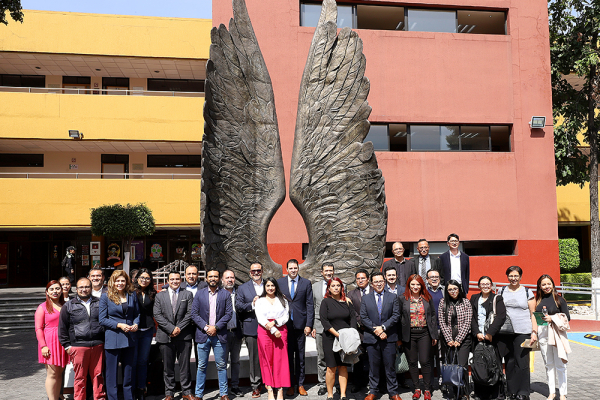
235 391
322 391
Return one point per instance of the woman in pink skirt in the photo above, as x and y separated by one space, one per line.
50 352
272 313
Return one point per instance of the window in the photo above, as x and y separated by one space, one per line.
23 80
404 137
76 80
174 161
176 85
399 18
490 247
21 160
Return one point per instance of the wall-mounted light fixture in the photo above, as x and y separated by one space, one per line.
537 122
75 134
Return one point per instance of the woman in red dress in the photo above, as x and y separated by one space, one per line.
50 352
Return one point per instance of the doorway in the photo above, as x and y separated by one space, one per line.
115 166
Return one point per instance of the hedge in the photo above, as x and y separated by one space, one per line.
568 254
577 278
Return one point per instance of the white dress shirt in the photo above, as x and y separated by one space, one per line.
265 311
455 267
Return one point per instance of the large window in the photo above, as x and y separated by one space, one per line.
23 80
401 18
405 137
174 161
176 85
21 160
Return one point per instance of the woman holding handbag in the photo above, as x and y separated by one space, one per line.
455 315
489 314
520 305
550 303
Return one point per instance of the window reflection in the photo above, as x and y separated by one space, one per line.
473 138
431 21
424 137
310 13
378 134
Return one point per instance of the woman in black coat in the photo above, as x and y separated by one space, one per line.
483 304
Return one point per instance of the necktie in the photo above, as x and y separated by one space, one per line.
422 271
174 302
379 295
362 292
292 293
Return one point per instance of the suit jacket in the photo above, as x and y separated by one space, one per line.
301 306
318 297
430 318
413 265
356 298
244 296
167 322
111 314
200 313
489 306
403 270
390 316
464 269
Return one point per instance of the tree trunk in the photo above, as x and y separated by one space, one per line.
594 221
127 255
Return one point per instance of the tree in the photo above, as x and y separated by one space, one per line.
14 9
124 223
574 52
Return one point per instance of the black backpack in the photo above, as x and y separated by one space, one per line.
485 369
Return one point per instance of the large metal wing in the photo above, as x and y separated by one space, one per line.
243 181
335 182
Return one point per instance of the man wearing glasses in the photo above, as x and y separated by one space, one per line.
247 294
404 268
436 290
424 261
85 344
455 263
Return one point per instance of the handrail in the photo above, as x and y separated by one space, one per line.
115 92
76 175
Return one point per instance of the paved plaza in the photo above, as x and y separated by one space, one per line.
22 377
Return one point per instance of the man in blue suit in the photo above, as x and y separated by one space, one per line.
299 292
380 315
211 311
247 295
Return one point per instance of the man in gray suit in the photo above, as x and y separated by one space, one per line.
423 262
319 289
173 313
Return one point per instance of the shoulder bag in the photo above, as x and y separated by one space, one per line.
507 327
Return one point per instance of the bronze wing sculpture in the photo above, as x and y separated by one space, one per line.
335 182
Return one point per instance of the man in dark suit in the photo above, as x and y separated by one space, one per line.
173 313
455 264
360 370
423 262
234 334
404 268
246 297
380 314
298 291
319 288
211 311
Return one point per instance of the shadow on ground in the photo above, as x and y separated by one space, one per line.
18 355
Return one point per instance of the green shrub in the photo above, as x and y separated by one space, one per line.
577 278
568 254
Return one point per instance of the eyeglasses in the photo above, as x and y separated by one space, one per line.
143 278
452 241
433 278
423 247
514 276
378 282
256 271
395 250
361 279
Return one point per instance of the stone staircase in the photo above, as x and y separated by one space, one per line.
17 308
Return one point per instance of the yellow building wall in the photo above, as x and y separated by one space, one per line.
116 35
101 117
31 203
573 203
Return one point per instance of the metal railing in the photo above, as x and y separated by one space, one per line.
113 92
96 175
574 288
161 275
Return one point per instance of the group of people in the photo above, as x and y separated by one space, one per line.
417 307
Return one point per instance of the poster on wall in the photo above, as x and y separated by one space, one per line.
96 262
156 253
113 252
137 251
85 249
196 251
85 260
95 248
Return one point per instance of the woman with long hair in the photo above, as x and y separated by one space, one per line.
145 291
456 315
120 316
65 284
483 306
50 352
336 313
272 313
520 305
419 332
549 302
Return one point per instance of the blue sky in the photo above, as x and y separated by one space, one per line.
153 8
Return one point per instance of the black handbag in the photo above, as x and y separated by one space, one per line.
452 372
506 328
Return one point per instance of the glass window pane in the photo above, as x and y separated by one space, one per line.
481 22
431 21
473 138
378 134
398 137
449 138
500 138
345 17
310 13
424 137
380 17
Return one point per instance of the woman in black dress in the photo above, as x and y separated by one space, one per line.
336 313
146 292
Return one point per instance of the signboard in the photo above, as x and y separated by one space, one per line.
95 248
156 253
137 251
